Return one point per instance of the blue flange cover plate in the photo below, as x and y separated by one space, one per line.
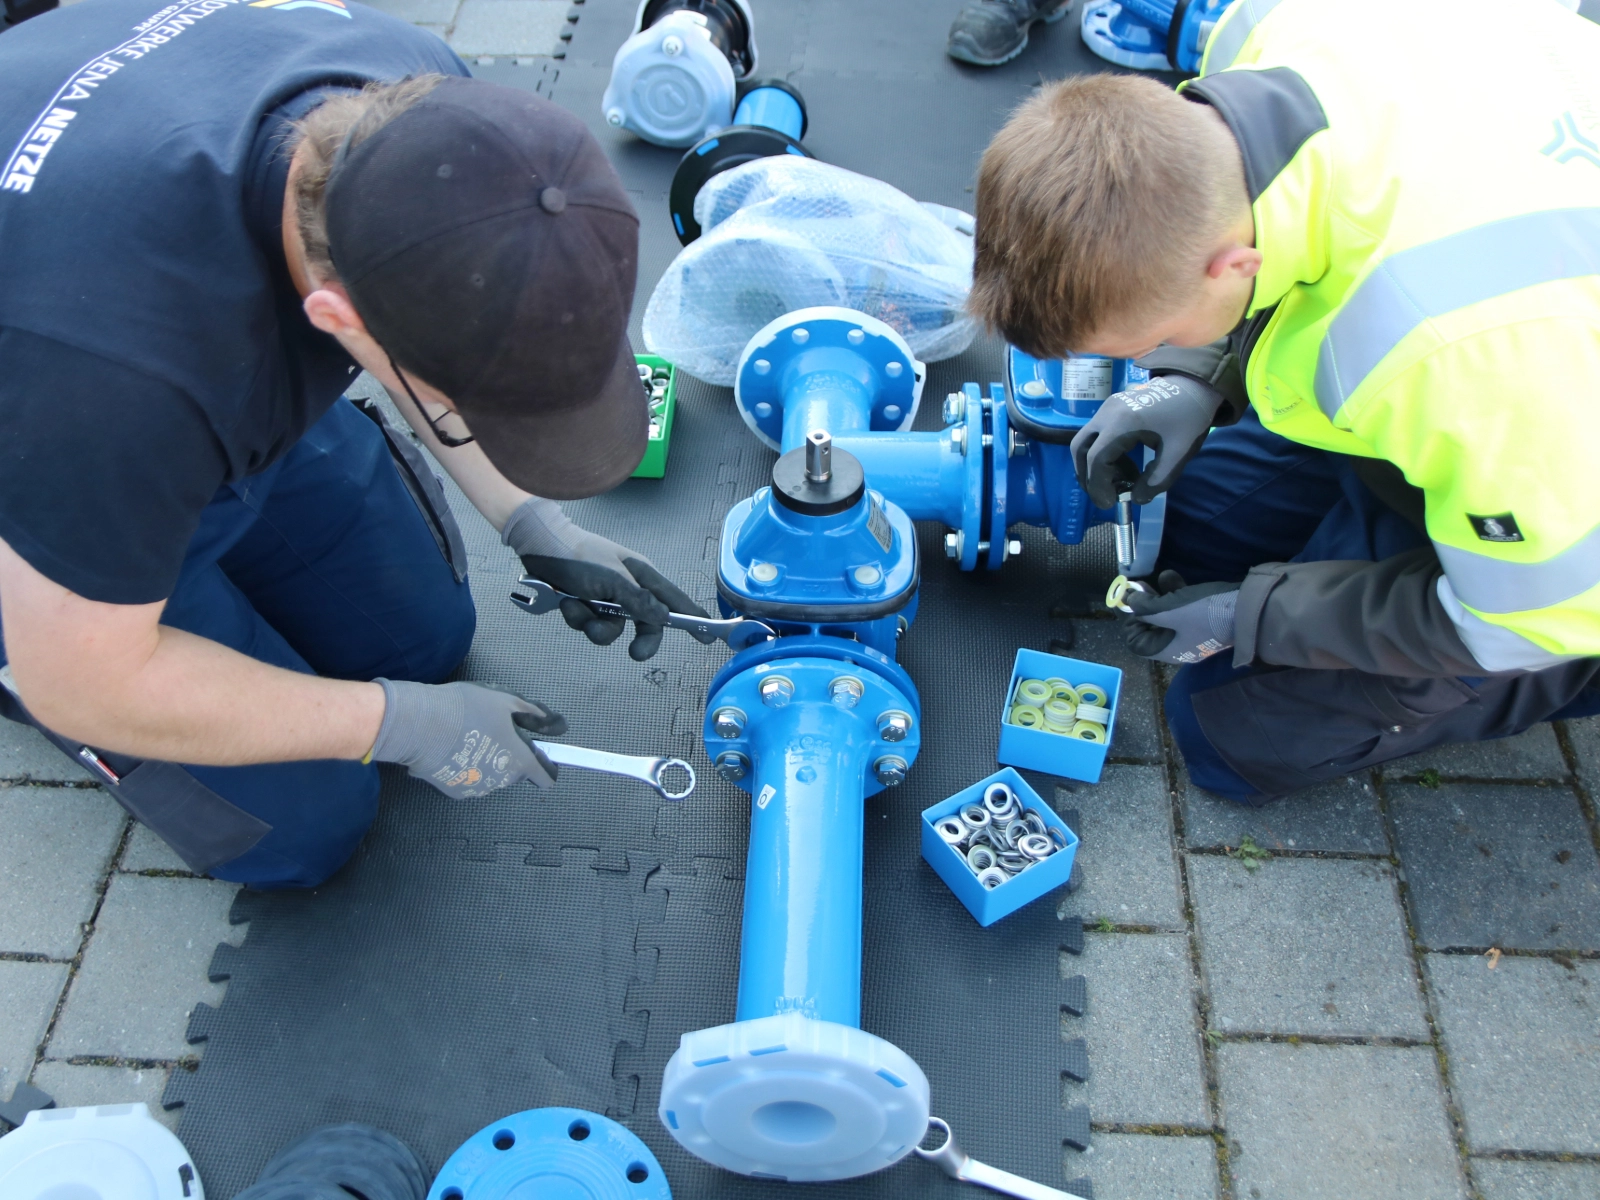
552 1154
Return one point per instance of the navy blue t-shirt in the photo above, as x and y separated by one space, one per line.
152 345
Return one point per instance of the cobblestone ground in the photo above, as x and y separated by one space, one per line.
1388 988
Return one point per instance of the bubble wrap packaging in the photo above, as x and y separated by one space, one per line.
788 232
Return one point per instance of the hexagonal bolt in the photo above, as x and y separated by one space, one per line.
955 407
952 545
1018 445
890 770
776 691
732 765
1013 548
958 437
728 722
846 691
893 725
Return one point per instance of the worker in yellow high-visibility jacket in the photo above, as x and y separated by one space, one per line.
1383 285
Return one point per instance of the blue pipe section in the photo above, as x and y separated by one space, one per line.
772 107
924 473
826 388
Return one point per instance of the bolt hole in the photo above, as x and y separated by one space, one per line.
504 1140
451 1194
638 1173
578 1130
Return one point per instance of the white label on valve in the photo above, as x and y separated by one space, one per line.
765 798
1086 378
878 524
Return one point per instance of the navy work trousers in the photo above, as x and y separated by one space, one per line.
323 563
1252 497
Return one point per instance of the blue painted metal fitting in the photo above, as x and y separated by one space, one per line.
1151 35
564 1152
794 1089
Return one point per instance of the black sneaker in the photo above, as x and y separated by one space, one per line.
991 32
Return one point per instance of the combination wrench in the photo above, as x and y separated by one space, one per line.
738 632
958 1164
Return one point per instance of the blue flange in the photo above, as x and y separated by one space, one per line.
552 1154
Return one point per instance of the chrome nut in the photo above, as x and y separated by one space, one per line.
955 407
893 725
846 691
952 545
776 691
728 722
732 765
890 770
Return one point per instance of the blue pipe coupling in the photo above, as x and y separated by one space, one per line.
794 1089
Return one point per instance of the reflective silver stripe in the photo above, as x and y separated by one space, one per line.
1437 277
1495 647
1494 585
1229 38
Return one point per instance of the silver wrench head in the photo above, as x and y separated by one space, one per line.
662 766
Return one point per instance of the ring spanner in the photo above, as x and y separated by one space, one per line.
958 1164
634 766
738 632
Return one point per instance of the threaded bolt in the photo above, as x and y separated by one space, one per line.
776 691
732 765
893 725
728 722
890 770
846 691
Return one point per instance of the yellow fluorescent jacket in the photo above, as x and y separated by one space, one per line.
1433 250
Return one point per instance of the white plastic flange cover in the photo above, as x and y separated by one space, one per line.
749 23
770 332
669 84
110 1152
788 1097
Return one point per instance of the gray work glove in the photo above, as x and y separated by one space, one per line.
464 738
571 559
1175 623
1171 414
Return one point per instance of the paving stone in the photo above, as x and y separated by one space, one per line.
55 846
1585 738
1523 1042
1489 865
147 852
73 1085
1130 866
509 27
1305 946
145 968
24 754
1530 755
1315 1122
1136 1166
1341 816
419 12
28 995
1536 1180
1138 733
1143 1031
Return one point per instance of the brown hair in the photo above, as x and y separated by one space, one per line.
1101 199
321 132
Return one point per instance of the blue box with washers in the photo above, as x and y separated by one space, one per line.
988 906
1058 753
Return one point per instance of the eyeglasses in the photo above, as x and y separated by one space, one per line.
448 440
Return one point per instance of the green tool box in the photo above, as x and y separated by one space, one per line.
662 411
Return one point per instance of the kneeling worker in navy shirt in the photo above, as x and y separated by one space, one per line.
223 585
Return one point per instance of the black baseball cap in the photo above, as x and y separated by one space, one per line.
489 247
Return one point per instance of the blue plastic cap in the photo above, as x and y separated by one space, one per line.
554 1154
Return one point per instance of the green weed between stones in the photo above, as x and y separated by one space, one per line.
1250 854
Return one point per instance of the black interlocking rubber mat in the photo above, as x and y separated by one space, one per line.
532 949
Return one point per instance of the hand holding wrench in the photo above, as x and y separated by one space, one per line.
738 632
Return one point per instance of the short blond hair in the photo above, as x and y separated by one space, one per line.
320 134
1100 200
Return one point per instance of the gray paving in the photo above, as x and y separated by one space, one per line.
147 852
1523 1042
514 27
28 995
77 1085
1138 734
1491 865
1134 1166
1530 755
1131 877
25 755
1315 1122
1143 1030
145 968
1536 1180
55 847
1339 817
1584 737
1306 946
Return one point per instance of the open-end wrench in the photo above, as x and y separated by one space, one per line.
958 1164
634 766
738 632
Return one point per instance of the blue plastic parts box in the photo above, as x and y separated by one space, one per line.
1057 753
987 906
